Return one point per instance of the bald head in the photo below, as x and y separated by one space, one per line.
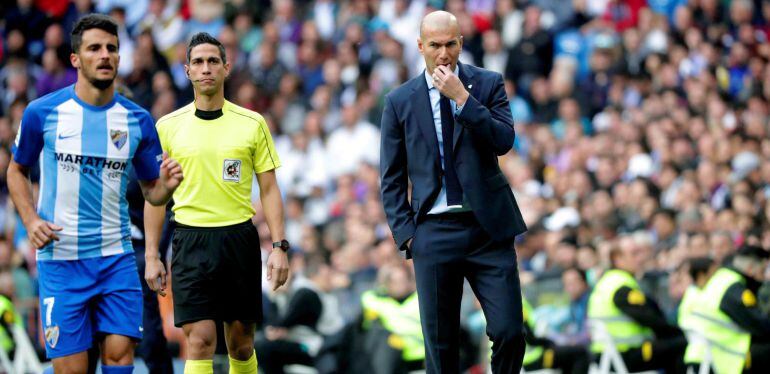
440 41
439 21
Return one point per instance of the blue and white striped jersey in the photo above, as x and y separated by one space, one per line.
86 154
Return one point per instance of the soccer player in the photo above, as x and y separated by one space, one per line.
216 257
88 139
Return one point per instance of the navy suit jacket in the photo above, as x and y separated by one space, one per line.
409 152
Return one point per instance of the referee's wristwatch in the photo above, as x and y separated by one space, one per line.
283 245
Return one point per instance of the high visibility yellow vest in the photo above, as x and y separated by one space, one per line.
729 342
532 352
626 332
401 319
691 324
9 318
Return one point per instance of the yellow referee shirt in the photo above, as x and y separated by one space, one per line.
219 158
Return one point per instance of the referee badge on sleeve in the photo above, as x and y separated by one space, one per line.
231 170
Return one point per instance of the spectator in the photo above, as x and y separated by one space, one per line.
354 142
311 314
30 21
575 331
57 72
164 23
531 57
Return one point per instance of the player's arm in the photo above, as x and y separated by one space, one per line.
154 271
39 231
158 191
272 205
265 162
26 151
157 183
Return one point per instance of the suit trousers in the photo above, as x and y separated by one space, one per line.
446 249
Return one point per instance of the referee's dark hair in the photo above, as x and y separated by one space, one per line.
205 38
91 21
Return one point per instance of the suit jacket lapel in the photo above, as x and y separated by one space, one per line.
424 113
466 77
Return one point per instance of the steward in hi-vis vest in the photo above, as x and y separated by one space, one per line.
394 309
699 270
633 320
737 331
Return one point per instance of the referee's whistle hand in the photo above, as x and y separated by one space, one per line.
155 275
170 172
277 268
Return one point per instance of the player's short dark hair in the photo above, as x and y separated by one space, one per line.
91 21
206 38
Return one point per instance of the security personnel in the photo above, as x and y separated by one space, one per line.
542 353
737 330
395 308
635 322
699 270
8 318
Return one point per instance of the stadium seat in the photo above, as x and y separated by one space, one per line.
696 338
25 360
610 361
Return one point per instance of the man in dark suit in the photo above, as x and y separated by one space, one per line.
443 130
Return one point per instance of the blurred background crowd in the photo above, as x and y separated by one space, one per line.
639 123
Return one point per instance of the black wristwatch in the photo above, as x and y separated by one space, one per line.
283 245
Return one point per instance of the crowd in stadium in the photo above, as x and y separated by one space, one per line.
639 123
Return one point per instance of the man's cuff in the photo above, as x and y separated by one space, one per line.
405 254
458 109
468 118
403 235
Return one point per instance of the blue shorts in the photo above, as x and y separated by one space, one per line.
80 298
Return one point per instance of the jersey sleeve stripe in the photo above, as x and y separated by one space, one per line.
267 146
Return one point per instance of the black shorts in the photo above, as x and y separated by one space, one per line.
216 274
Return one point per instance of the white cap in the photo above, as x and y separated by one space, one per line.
640 165
561 218
743 164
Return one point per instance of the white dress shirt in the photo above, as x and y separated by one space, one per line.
441 205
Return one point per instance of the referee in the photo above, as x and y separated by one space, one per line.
216 258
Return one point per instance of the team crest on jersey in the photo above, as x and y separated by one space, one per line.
118 138
52 335
231 170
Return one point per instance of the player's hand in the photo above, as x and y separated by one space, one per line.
41 232
170 172
277 268
155 275
449 85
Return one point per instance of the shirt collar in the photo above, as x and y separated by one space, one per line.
429 78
